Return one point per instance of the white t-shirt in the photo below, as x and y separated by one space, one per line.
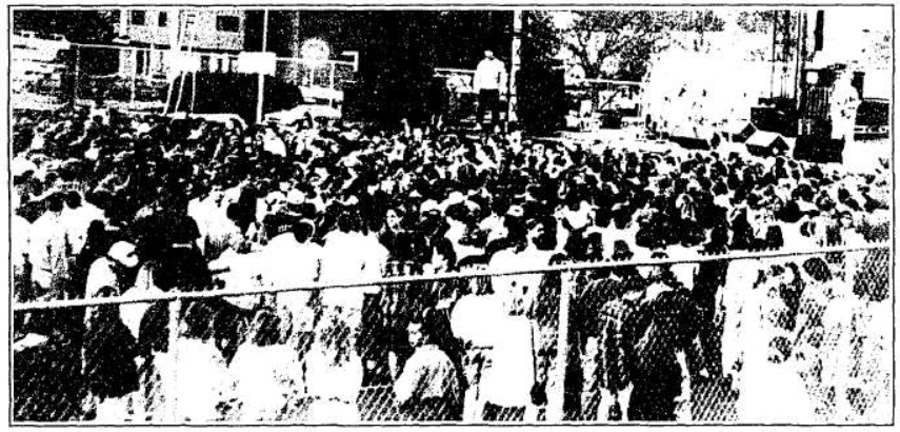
473 317
217 232
273 144
288 264
263 380
244 272
101 274
324 379
490 75
48 249
200 380
350 257
510 377
428 373
77 221
518 292
20 232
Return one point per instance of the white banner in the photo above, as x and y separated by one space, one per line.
256 63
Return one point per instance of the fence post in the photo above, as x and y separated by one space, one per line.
171 386
557 374
77 73
134 61
331 79
193 90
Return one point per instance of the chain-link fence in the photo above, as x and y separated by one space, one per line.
761 337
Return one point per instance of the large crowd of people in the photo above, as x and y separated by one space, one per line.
108 204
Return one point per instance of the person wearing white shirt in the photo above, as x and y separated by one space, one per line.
519 296
264 371
428 387
21 231
290 260
519 292
272 143
218 232
77 216
332 376
350 256
50 249
198 378
490 78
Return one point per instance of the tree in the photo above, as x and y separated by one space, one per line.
83 26
757 21
626 39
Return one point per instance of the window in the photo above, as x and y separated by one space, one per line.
143 63
228 24
163 19
138 18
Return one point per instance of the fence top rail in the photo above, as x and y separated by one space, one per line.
686 258
230 54
454 70
617 82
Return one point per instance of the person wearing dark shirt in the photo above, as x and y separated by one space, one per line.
168 237
617 331
665 330
110 372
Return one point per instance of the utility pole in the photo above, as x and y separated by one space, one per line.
262 81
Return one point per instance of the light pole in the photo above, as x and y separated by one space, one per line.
261 82
516 63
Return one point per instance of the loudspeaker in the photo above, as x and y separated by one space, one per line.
352 107
774 119
821 149
541 99
858 82
764 143
233 93
690 138
741 133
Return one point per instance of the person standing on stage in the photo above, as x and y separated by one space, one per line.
490 79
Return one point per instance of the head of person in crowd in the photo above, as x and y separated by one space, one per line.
393 220
73 199
333 334
817 269
303 230
432 222
53 199
659 273
348 218
198 321
593 244
267 329
419 332
542 233
124 255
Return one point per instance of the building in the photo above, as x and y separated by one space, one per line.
215 34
